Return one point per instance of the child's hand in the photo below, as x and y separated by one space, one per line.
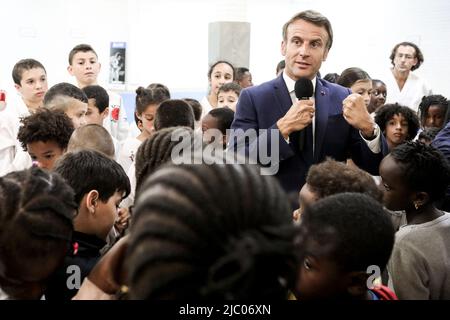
297 215
123 220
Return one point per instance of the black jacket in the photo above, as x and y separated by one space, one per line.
79 261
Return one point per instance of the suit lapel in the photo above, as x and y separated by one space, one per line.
322 98
284 103
282 95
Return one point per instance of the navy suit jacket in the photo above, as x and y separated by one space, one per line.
260 107
442 143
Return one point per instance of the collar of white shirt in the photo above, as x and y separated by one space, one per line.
290 84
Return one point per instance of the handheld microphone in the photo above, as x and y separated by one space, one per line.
303 91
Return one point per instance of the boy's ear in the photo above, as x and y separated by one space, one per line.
105 113
70 70
357 283
92 199
17 86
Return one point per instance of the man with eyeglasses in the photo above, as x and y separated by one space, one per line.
403 86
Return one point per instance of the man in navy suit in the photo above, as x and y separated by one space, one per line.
335 122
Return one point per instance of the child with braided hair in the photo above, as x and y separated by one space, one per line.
37 209
432 110
414 177
209 232
156 151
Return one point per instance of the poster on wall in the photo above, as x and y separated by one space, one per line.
117 62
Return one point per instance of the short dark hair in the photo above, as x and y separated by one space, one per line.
331 77
425 168
155 93
173 113
25 65
37 209
64 89
280 66
80 48
332 177
92 136
350 76
45 125
211 68
387 112
230 86
240 72
196 107
315 18
196 236
87 170
224 118
434 99
374 81
353 229
99 94
419 54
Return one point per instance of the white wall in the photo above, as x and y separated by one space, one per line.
167 39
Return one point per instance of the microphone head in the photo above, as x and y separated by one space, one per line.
303 88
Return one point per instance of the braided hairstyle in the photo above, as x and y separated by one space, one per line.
149 96
37 209
154 94
425 168
210 232
432 100
157 150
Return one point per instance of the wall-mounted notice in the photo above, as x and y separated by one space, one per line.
117 62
